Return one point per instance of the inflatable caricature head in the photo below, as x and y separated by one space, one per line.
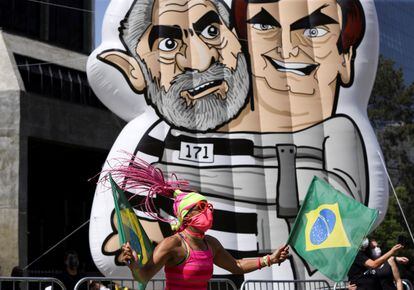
184 57
311 60
301 53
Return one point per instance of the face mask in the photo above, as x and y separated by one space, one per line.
72 262
376 252
203 221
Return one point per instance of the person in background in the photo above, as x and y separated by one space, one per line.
360 272
363 271
388 272
96 285
71 274
9 285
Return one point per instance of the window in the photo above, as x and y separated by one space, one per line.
58 82
50 21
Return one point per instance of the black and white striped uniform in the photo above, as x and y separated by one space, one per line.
256 180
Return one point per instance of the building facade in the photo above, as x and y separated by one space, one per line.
396 34
54 133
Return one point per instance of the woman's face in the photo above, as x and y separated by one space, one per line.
198 208
374 250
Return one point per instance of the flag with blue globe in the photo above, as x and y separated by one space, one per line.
329 229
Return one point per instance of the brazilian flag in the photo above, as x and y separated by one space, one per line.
329 229
129 228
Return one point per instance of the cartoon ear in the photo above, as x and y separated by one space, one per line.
346 67
127 65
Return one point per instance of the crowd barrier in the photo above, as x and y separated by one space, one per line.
30 283
285 285
116 283
44 283
340 286
407 284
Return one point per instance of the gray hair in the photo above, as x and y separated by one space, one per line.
205 114
209 112
139 18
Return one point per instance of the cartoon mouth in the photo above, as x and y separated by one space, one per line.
218 88
298 68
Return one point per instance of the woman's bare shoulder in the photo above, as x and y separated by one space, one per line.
171 242
213 242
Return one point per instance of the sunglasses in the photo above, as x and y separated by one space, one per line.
202 206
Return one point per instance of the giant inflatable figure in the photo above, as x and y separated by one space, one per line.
247 100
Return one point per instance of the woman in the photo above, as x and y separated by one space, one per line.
362 271
188 255
388 272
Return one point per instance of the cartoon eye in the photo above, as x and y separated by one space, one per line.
210 32
167 44
315 32
263 27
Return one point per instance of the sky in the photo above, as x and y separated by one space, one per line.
389 29
100 7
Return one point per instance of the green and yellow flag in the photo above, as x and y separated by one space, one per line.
329 229
129 228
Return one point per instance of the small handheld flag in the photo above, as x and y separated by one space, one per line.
329 229
129 228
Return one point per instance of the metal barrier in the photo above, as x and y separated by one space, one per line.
118 283
32 283
341 285
407 284
285 285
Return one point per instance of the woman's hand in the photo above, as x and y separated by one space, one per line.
280 255
402 260
396 248
128 256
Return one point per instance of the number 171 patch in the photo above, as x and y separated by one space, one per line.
201 153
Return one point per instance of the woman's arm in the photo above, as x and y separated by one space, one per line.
223 259
164 252
402 260
395 273
373 264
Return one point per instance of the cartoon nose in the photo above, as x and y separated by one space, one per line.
286 48
197 55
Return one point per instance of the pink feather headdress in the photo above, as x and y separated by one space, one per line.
138 176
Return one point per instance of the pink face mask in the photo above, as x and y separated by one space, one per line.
202 221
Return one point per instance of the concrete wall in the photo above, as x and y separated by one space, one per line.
9 160
24 115
45 52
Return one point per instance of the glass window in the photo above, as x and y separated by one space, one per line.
66 23
58 82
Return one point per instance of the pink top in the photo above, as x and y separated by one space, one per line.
194 273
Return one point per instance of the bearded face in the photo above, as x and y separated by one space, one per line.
196 76
215 108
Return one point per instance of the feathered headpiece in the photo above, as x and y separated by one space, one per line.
138 176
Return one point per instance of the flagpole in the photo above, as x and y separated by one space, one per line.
57 244
396 197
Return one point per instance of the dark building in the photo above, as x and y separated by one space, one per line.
396 20
54 133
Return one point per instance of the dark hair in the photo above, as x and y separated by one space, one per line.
70 253
352 30
16 272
